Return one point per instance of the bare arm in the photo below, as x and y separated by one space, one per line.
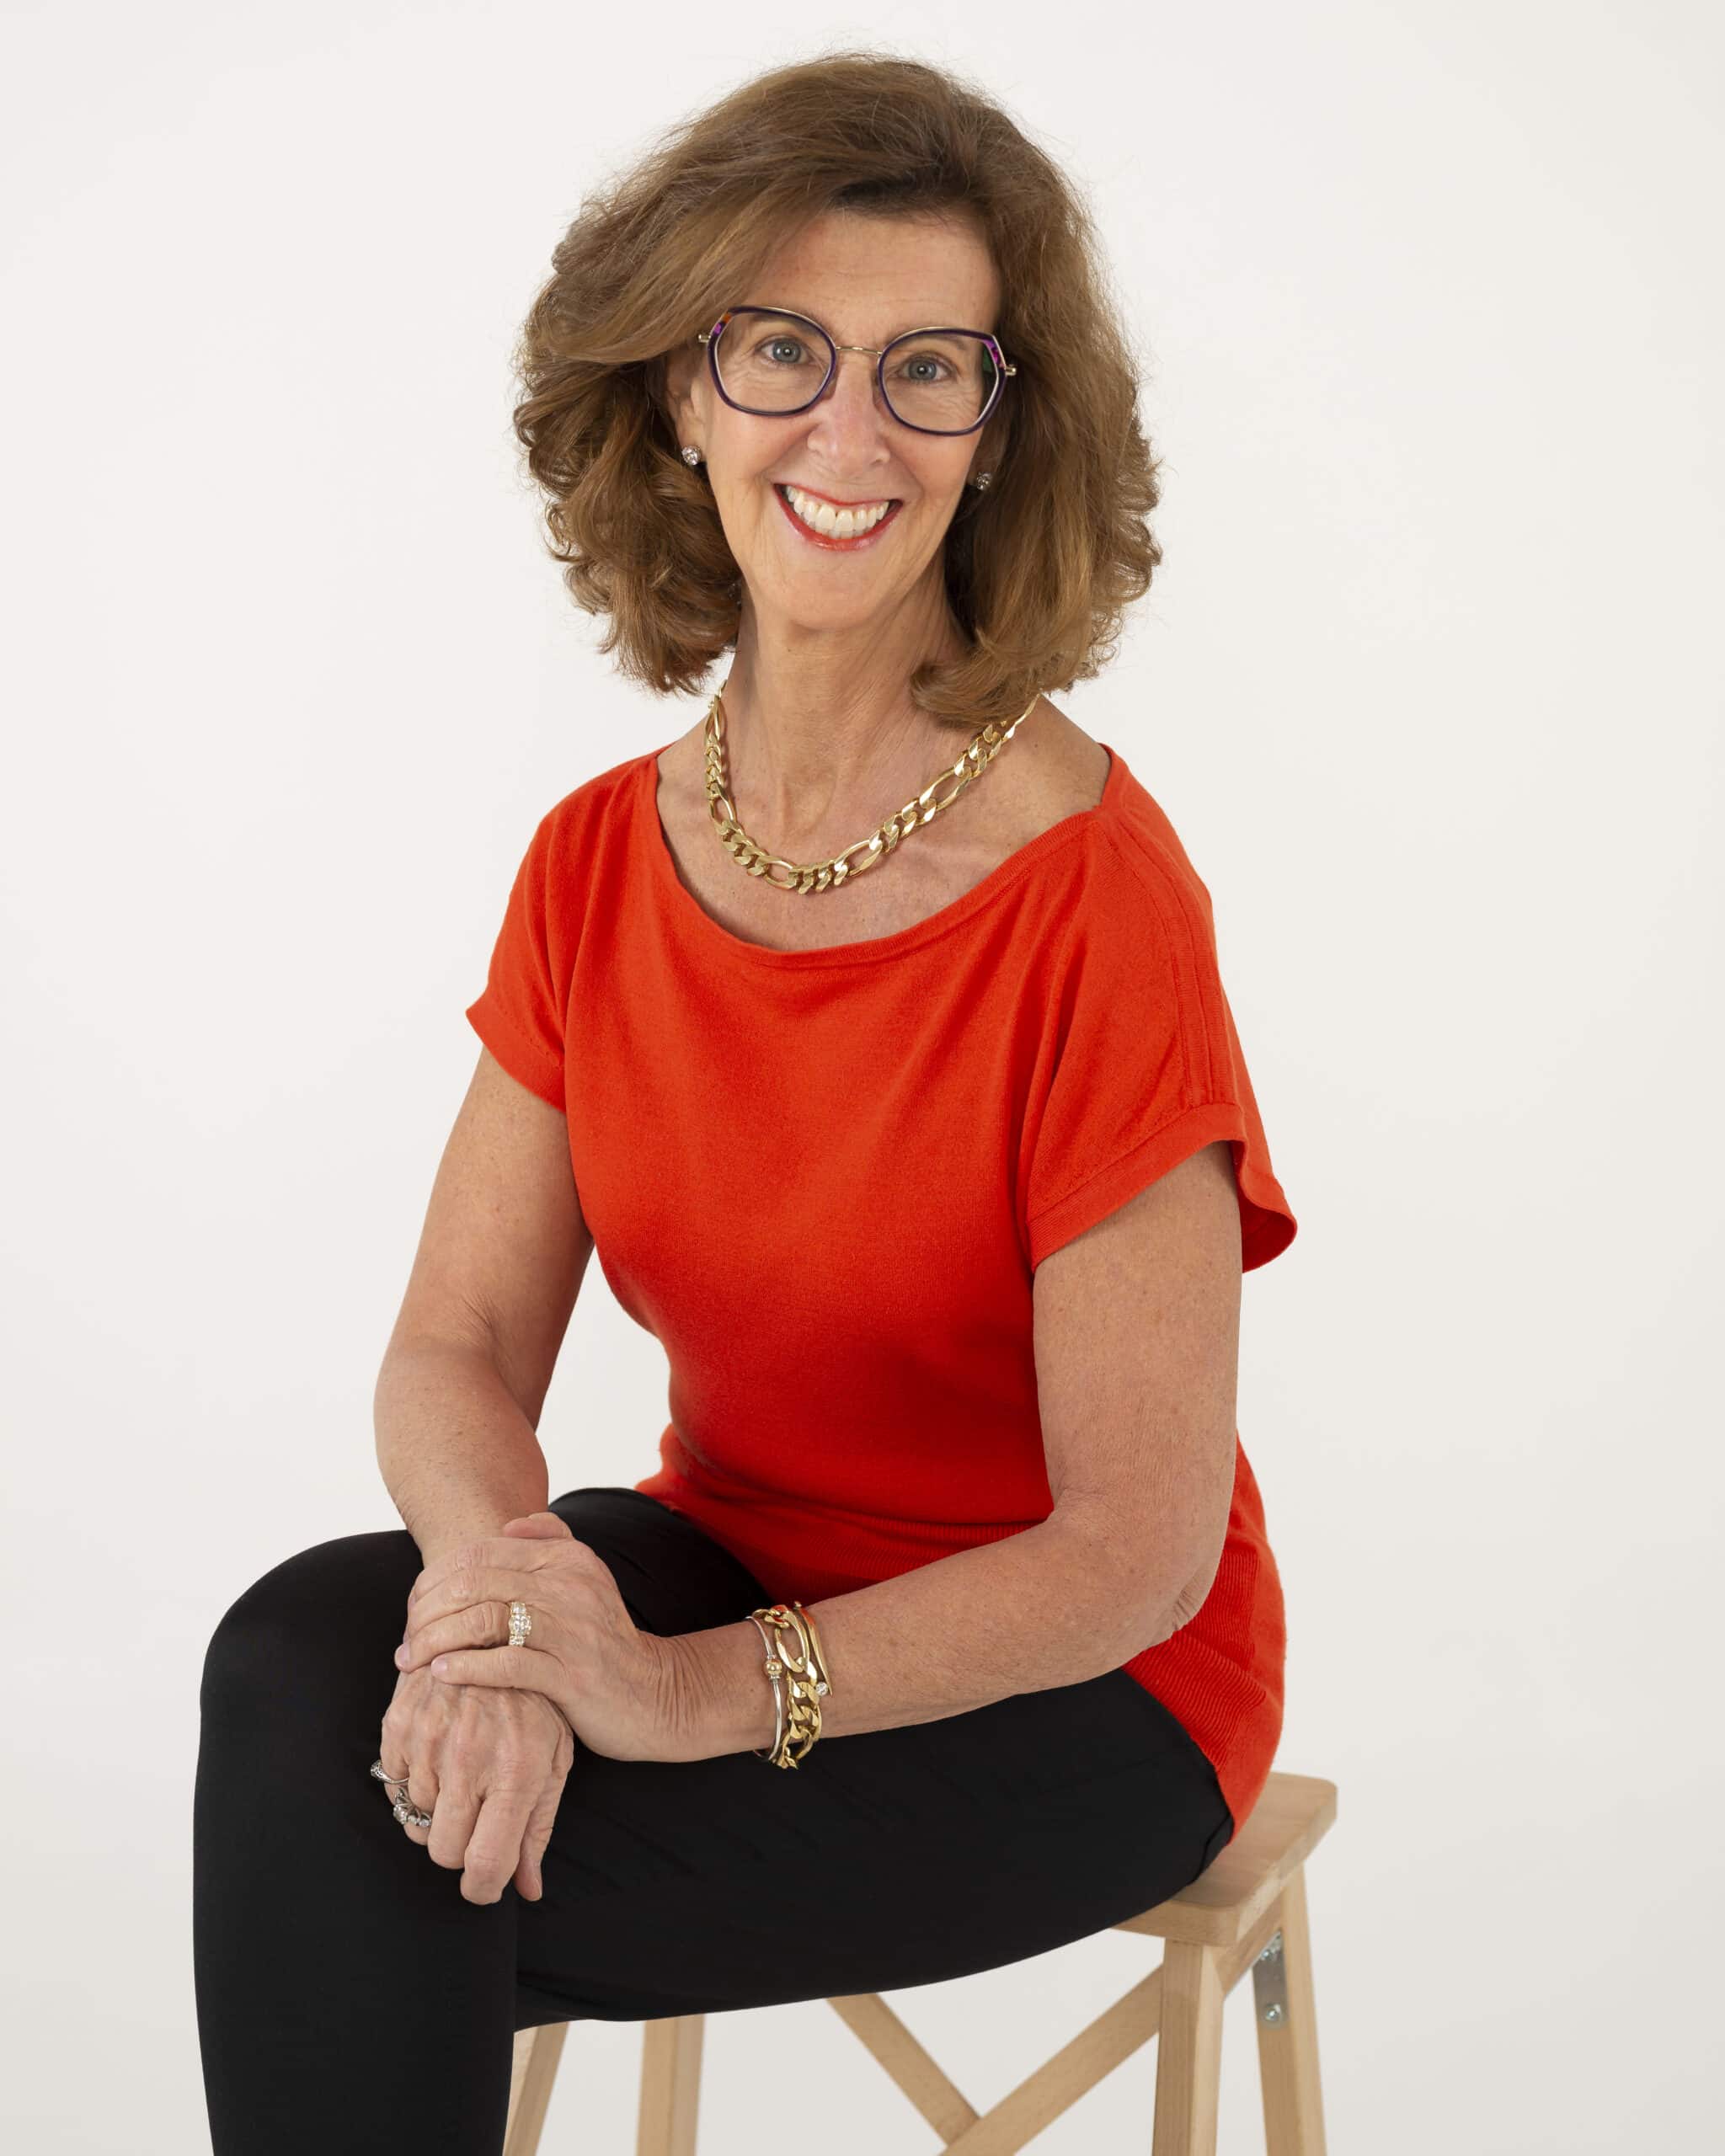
457 1408
458 1454
1137 1331
500 1262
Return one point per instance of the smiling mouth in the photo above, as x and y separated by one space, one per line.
840 538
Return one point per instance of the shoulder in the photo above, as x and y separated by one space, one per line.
1135 918
578 828
595 799
1147 853
1049 770
572 846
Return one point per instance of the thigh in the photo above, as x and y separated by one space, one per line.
890 1858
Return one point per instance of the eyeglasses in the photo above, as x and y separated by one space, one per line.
771 362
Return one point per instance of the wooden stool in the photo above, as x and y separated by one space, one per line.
1247 1912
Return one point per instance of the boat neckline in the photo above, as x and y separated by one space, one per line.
1000 878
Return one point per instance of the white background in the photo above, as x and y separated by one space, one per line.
1429 683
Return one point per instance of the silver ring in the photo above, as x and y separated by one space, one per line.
404 1810
520 1624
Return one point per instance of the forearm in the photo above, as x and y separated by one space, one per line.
457 1455
1040 1608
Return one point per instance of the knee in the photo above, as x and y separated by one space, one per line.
325 1609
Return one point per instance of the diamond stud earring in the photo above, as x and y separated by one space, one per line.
691 456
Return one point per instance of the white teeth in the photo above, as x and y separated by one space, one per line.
836 523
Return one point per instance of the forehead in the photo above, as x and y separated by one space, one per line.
872 277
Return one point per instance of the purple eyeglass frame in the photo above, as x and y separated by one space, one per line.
710 338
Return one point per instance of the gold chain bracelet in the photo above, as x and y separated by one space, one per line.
804 1672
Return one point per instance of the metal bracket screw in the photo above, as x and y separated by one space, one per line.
1269 1982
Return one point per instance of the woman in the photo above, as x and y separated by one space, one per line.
872 1032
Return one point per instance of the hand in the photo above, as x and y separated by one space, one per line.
489 1767
617 1686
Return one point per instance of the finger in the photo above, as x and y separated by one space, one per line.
452 1819
506 1553
495 1583
424 1794
490 1593
545 1527
511 1552
420 1793
529 1872
509 1669
460 1590
494 1845
418 1790
480 1625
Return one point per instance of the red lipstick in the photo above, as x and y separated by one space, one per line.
833 544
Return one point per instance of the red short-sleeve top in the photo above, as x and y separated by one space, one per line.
822 1179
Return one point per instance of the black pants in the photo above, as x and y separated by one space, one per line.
348 1998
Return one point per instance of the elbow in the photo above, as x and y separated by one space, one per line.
1172 1612
1141 1610
1195 1593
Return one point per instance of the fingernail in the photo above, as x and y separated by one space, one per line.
401 1656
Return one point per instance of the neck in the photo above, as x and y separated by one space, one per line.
822 740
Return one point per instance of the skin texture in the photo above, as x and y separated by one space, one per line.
611 1683
488 1763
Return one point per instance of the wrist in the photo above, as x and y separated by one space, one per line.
454 1534
718 1699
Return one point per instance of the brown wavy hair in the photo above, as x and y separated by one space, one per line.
1038 569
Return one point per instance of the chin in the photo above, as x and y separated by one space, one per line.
830 617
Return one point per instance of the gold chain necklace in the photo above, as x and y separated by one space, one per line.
984 747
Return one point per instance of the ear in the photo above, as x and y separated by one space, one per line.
682 366
991 447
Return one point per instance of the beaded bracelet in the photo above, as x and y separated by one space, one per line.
797 1721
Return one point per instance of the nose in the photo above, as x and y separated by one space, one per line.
851 412
856 381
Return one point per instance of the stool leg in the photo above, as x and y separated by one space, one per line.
1286 2013
1188 2052
536 2053
671 2085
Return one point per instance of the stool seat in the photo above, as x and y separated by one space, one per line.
1246 1910
1226 1903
